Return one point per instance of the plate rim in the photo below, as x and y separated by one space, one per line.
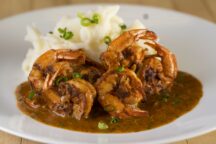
43 139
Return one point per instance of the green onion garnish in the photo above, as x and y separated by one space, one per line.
96 18
68 35
119 69
102 125
123 26
114 120
65 34
50 32
77 75
31 95
60 79
86 22
107 40
60 30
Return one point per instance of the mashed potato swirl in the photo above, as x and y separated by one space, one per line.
90 38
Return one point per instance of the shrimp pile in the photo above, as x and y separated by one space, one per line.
152 73
67 82
63 79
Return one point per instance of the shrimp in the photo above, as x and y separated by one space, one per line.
124 50
158 72
120 92
72 97
51 64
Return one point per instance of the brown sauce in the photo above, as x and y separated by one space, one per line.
164 108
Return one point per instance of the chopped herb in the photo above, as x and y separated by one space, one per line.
114 120
96 18
31 95
50 32
120 69
86 22
123 26
77 75
65 34
107 40
68 35
60 79
102 125
60 30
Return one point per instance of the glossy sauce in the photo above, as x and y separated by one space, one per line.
164 108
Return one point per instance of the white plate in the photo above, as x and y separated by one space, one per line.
193 40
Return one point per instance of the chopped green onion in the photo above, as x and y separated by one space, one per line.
86 22
50 32
107 40
77 75
123 26
60 30
102 125
31 95
114 120
120 69
96 18
60 79
68 35
65 34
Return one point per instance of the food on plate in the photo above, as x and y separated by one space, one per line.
154 73
72 32
51 80
125 51
119 92
94 74
158 72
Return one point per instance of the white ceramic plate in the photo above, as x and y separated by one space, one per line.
193 40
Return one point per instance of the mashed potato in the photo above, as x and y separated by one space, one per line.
90 38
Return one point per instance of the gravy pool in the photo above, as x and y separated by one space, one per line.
164 108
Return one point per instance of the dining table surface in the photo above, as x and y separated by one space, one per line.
205 9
